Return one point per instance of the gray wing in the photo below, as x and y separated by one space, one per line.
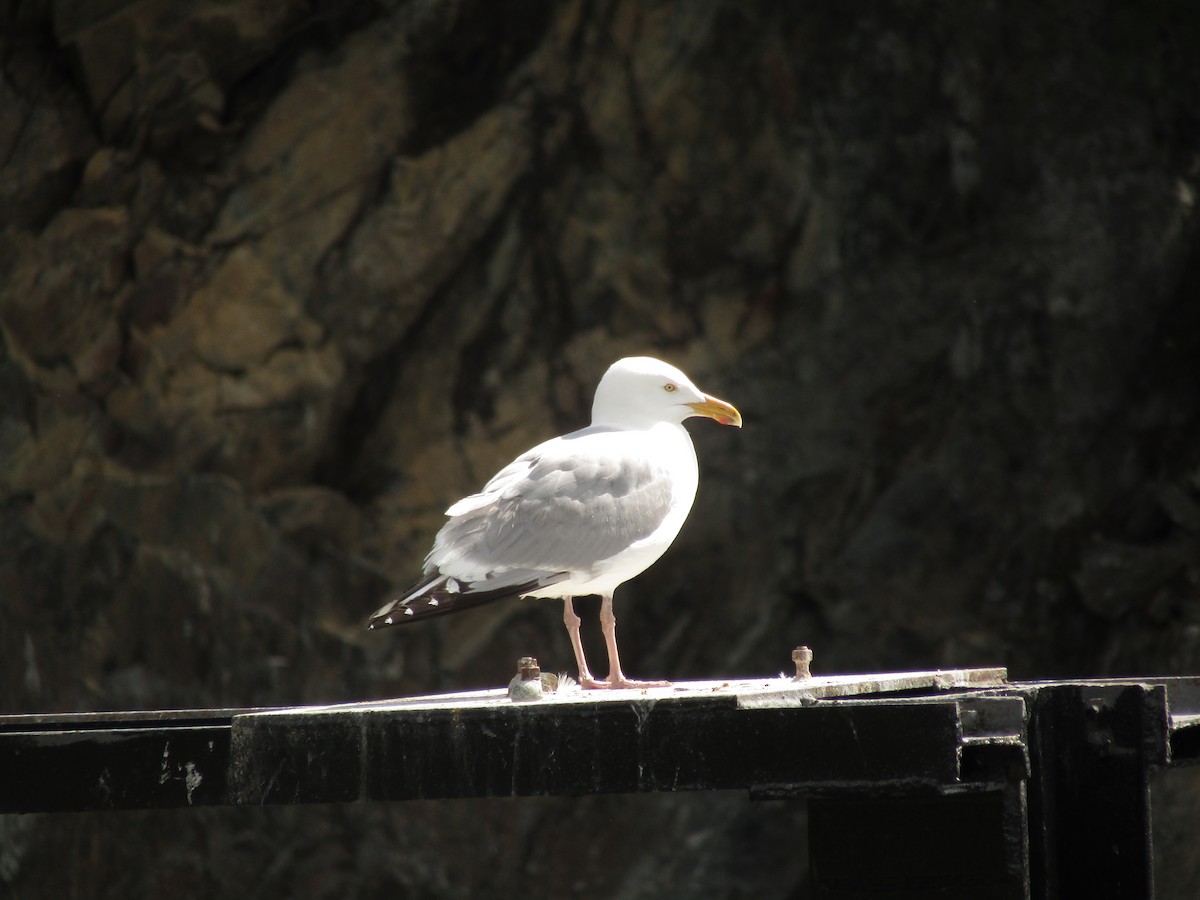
554 510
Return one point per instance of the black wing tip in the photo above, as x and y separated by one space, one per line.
398 611
395 613
376 622
428 600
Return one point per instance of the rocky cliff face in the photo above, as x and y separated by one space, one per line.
279 282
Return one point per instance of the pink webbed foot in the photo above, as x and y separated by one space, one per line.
620 683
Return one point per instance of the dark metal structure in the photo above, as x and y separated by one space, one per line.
955 784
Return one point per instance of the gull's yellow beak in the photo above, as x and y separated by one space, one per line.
712 408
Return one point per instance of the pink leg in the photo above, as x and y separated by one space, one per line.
572 622
616 678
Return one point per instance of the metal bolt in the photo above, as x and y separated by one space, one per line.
527 684
527 668
802 657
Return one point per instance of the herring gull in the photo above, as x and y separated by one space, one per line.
578 514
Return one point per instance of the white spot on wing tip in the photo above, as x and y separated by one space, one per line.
453 586
433 601
388 621
408 612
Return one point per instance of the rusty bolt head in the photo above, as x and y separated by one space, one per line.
802 657
527 668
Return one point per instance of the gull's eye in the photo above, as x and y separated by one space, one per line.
670 388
